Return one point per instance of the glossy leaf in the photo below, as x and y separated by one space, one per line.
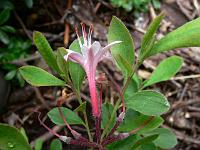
187 35
81 107
10 75
23 132
123 65
144 140
11 138
29 3
56 145
45 50
6 4
132 87
156 4
124 144
38 144
166 138
20 79
70 116
149 37
148 146
118 32
107 110
150 103
77 73
165 70
39 77
4 37
134 120
62 64
9 29
4 16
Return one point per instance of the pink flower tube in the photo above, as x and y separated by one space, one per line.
91 54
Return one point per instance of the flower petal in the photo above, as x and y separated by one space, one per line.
95 47
74 56
110 45
84 51
103 52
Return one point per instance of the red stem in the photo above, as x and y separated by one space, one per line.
86 144
122 136
45 126
122 114
74 133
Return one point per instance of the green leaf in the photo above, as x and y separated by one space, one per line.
149 37
148 146
70 116
45 50
132 87
23 132
77 73
4 37
107 110
124 144
144 140
118 32
150 103
81 107
56 145
165 70
29 3
166 138
9 29
38 144
127 5
38 77
11 138
20 79
156 4
10 75
124 65
187 35
4 16
134 120
61 62
6 4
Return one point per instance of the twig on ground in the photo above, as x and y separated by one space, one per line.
186 77
47 135
21 62
183 137
22 24
184 104
197 6
67 26
39 96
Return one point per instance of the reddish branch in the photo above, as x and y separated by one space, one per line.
121 136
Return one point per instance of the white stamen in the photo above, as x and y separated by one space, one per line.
78 37
64 139
84 34
89 36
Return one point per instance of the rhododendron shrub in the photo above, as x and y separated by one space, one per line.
133 119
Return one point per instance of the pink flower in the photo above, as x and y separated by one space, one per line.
91 54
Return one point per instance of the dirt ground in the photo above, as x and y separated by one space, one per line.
57 19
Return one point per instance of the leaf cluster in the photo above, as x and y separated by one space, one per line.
144 106
137 5
13 46
142 103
